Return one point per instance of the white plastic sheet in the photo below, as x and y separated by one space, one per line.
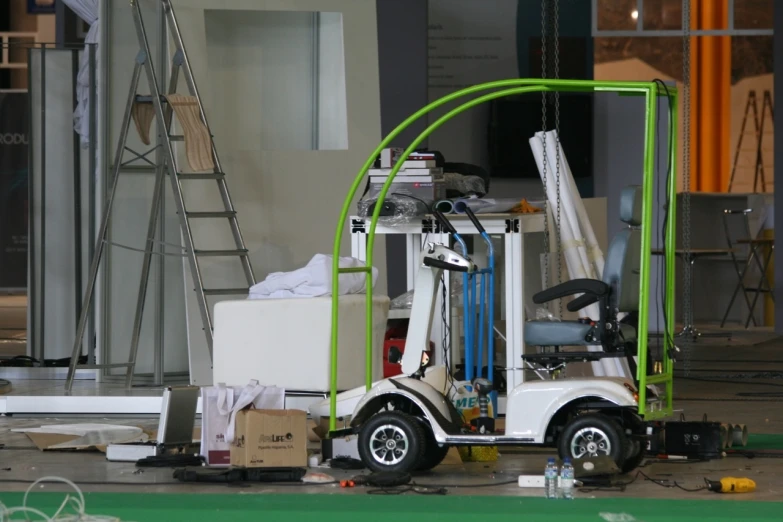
88 11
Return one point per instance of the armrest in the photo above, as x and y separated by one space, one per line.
593 287
582 301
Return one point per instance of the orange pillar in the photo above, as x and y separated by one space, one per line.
710 98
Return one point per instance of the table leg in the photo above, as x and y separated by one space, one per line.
689 329
762 280
514 288
359 246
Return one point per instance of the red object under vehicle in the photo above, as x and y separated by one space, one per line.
395 337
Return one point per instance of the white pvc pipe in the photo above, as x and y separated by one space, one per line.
567 199
573 258
595 255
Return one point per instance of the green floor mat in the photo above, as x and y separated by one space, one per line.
378 508
764 441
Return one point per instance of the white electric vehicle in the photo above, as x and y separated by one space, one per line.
408 422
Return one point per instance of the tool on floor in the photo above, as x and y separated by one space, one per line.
201 153
731 485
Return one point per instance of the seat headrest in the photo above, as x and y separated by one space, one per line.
631 205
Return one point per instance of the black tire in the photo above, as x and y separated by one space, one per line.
634 457
394 427
608 439
433 454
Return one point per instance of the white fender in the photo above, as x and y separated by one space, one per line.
532 405
431 401
347 401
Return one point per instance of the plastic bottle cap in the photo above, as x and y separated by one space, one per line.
566 460
551 461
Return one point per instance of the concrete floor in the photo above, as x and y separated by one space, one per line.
21 462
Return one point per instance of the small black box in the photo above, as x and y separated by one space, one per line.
693 439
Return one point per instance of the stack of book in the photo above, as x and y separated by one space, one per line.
418 177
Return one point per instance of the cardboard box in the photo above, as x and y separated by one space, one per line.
270 439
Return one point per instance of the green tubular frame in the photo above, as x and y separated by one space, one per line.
510 88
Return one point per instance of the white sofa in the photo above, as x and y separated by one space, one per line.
286 342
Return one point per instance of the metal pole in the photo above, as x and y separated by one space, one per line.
43 205
32 337
160 316
77 194
93 162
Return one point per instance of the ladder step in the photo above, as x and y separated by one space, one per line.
180 137
216 214
146 98
226 291
222 253
200 176
102 366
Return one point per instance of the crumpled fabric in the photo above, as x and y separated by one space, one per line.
88 11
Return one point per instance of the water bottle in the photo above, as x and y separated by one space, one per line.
567 479
550 479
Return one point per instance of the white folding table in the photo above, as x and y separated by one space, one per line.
512 227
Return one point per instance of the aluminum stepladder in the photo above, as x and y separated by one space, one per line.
168 166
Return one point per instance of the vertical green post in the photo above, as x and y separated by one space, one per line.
651 101
670 250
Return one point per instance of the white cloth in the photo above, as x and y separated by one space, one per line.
88 11
312 280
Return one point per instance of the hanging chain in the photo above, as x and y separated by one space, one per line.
556 37
543 128
686 176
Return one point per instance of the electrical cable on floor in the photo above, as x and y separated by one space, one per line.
623 485
479 485
76 503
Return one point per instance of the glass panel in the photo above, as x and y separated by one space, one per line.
662 14
751 98
753 14
638 58
617 15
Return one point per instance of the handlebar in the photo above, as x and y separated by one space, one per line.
444 221
474 219
445 265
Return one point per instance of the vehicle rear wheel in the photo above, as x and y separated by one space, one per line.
392 441
635 456
433 454
593 435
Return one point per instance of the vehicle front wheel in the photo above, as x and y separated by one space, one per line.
433 454
392 441
593 435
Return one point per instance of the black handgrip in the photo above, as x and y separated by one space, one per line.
475 220
445 265
444 221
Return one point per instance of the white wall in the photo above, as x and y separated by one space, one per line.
131 213
250 73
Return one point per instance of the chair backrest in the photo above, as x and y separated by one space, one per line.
736 225
623 261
